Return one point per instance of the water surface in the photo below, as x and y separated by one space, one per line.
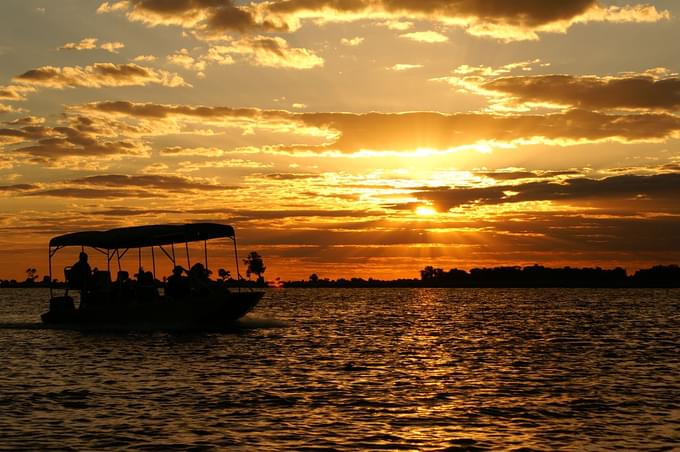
357 369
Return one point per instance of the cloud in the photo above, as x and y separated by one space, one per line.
289 176
144 58
91 44
179 151
92 193
191 166
352 42
15 92
225 116
494 18
17 187
272 52
515 174
83 44
26 121
98 75
428 130
78 137
405 67
626 188
210 15
7 109
396 132
114 186
112 47
632 92
108 7
425 36
152 181
182 58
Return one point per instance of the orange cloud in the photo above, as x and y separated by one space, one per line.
396 132
15 92
91 44
656 190
272 52
495 18
79 137
631 92
98 75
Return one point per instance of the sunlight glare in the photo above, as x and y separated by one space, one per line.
425 211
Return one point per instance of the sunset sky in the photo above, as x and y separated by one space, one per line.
363 138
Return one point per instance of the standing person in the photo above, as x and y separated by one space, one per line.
79 277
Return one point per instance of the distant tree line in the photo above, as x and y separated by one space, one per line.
531 276
661 276
32 280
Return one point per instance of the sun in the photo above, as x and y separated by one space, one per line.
425 211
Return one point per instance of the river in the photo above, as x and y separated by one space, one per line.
356 369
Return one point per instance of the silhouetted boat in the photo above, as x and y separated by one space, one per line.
126 303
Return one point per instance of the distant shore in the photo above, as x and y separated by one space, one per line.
535 276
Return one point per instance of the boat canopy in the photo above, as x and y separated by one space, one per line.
144 236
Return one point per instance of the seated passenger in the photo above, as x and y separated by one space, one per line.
123 290
146 287
177 286
199 279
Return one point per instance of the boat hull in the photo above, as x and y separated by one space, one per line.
193 313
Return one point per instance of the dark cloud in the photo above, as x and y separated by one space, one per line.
127 212
288 176
114 186
637 92
172 183
514 174
26 121
92 193
80 137
98 75
17 187
650 189
525 13
503 19
150 110
255 215
214 14
414 130
409 131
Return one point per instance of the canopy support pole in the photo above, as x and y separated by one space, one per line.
186 245
238 273
153 262
174 261
49 267
205 252
118 258
139 254
172 258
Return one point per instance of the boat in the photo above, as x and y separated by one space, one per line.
202 303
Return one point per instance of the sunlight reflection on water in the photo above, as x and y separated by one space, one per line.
357 370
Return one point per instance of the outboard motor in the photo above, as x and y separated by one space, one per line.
62 309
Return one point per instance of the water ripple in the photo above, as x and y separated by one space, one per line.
436 369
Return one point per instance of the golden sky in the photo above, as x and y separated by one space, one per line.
364 138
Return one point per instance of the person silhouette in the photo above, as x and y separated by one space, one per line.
177 286
81 273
